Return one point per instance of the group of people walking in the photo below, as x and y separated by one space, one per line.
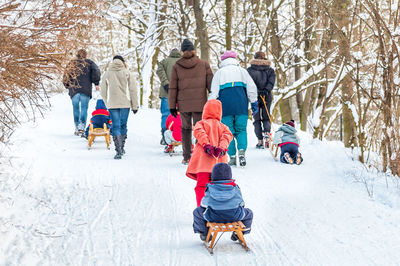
118 90
193 99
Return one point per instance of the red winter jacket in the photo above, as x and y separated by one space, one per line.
175 124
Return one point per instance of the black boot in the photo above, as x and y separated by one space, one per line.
123 144
118 146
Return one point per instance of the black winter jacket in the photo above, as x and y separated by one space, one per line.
263 76
79 76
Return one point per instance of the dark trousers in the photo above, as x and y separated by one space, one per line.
261 120
187 124
200 224
290 148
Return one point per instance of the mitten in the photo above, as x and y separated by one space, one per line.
208 149
254 107
166 87
134 111
219 152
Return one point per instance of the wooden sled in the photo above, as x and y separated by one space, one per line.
99 132
215 228
273 148
172 151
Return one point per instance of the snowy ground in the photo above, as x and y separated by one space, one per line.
62 204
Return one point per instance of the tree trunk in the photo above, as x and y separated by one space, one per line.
201 31
228 24
297 69
341 14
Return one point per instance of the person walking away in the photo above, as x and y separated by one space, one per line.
287 139
222 203
119 92
78 78
234 87
264 77
190 81
164 74
213 139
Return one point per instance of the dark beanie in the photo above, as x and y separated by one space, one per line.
119 57
290 123
221 171
187 45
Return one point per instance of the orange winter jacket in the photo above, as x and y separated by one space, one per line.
211 131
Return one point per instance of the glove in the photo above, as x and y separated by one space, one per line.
166 87
254 107
219 152
134 111
174 112
208 149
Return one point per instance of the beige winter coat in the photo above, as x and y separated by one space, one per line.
118 87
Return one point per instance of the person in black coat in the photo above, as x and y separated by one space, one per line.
78 78
264 77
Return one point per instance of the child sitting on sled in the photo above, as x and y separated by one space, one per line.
213 139
222 203
100 116
286 138
173 132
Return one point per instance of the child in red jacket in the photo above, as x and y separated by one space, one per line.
213 139
173 132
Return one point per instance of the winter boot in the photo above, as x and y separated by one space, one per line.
162 141
185 162
118 146
299 159
234 237
203 237
260 144
242 158
168 149
232 160
287 158
123 144
266 139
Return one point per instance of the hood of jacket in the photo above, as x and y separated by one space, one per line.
212 110
188 62
175 54
288 129
100 104
117 65
260 62
229 62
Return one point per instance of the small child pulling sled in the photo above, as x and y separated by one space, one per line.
222 203
285 137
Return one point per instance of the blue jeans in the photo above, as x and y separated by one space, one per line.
237 125
164 108
80 104
290 148
119 119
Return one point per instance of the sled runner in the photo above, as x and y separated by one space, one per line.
99 132
172 151
215 228
273 148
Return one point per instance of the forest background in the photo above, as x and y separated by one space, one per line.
337 62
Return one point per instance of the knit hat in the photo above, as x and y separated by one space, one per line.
221 171
290 123
259 55
187 45
119 57
229 54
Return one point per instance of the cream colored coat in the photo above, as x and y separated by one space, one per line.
118 87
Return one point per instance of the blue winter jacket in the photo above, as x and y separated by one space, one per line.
223 202
234 87
100 116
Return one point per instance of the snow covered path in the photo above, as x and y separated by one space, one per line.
62 204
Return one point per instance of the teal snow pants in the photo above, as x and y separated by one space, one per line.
237 125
